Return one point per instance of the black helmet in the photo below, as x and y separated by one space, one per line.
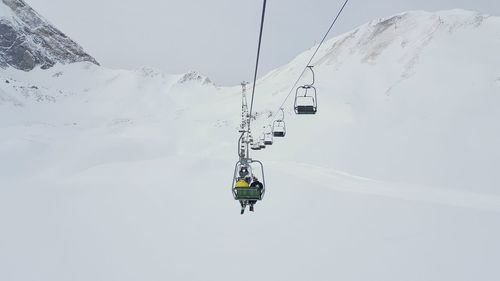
243 171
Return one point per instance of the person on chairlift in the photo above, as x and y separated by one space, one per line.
242 183
245 174
257 185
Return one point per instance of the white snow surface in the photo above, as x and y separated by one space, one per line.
125 175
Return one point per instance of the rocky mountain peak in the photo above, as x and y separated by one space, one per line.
195 76
28 41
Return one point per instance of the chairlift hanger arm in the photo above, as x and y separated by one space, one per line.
240 141
282 112
314 78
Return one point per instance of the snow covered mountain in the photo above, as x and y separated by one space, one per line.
28 41
124 175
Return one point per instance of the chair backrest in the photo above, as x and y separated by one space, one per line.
308 100
305 96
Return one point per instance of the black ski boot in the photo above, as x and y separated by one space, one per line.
251 208
243 206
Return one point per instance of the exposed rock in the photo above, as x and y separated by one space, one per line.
195 76
28 41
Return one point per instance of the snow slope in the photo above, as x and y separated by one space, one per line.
124 175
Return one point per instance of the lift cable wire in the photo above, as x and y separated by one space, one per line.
312 57
257 63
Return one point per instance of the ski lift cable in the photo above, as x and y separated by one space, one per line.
257 62
312 57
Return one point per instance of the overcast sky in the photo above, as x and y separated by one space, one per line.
216 37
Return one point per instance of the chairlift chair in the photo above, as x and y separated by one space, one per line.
262 143
306 97
279 128
305 102
268 139
255 146
246 194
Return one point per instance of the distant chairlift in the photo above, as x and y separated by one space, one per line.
306 101
255 146
268 136
262 143
279 128
268 139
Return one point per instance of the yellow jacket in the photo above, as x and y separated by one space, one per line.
242 184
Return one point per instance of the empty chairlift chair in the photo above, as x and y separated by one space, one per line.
268 135
279 128
262 143
306 100
255 146
304 103
268 139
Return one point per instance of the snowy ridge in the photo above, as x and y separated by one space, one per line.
404 35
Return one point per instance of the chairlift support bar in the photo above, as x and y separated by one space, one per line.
313 75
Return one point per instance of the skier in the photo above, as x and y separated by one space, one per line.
257 185
242 183
245 174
